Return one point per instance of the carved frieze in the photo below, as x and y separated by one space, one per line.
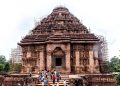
39 48
81 47
58 53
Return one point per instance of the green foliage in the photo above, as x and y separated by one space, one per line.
7 67
1 67
118 79
2 59
115 64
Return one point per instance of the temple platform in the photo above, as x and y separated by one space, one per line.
83 79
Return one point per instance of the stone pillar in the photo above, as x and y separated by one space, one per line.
96 63
28 67
48 56
49 60
91 60
96 54
96 57
68 66
42 60
77 56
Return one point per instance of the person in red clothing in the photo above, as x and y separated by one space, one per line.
53 78
48 83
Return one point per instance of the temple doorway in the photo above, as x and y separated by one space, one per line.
58 62
58 58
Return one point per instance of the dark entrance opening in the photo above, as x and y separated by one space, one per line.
58 61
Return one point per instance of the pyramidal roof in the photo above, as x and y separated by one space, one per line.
59 26
61 18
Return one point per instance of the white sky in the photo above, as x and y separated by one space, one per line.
17 17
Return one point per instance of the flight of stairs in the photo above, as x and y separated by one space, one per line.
63 77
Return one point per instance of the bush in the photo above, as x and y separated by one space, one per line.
118 79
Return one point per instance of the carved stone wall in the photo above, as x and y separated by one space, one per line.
85 61
39 57
33 58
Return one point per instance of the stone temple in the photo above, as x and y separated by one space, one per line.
60 42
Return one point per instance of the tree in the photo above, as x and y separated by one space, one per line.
1 67
7 67
2 59
115 64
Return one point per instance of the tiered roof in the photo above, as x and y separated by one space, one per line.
59 26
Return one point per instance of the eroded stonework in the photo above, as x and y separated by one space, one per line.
60 42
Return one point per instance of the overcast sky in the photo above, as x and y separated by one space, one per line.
18 17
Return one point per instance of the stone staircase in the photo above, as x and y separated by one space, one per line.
63 77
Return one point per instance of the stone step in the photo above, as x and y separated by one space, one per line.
60 83
63 76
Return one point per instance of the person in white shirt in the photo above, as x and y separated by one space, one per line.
64 82
57 84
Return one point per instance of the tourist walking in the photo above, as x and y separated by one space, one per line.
42 80
55 73
18 84
64 82
42 83
49 75
53 78
42 72
57 84
48 83
40 76
45 82
30 74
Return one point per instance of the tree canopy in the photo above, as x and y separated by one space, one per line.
4 66
115 64
2 59
7 67
1 67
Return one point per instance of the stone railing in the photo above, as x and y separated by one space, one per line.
22 79
100 80
92 80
